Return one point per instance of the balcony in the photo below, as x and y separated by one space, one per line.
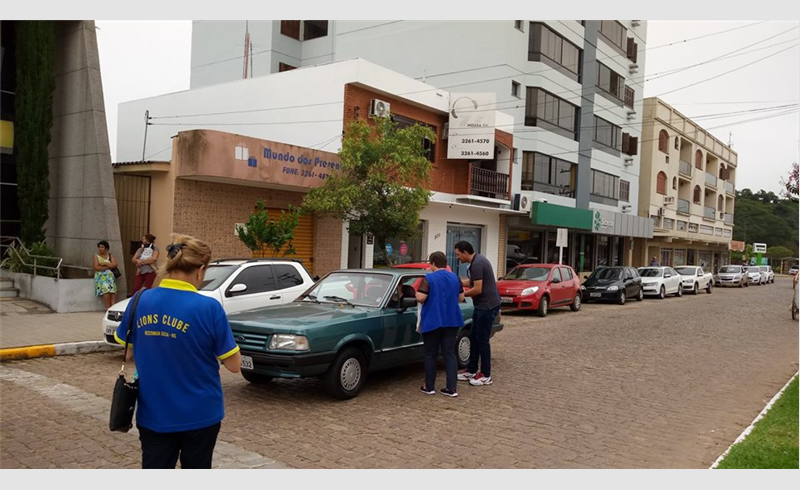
489 183
728 218
685 169
730 189
711 180
709 213
684 207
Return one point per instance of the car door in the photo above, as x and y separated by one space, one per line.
700 278
673 282
259 282
555 285
568 284
627 282
401 342
288 282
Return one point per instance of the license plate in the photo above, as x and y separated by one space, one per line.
247 362
506 300
595 295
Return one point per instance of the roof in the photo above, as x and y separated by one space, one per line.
141 162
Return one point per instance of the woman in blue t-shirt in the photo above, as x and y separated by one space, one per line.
178 340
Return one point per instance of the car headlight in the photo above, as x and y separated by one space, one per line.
583 288
613 288
115 316
528 291
288 342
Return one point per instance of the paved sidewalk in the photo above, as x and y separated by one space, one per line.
24 323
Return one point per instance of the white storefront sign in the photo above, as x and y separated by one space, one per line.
759 247
472 125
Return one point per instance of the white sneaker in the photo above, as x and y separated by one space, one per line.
480 380
465 375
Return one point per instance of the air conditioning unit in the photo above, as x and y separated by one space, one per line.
445 130
379 108
669 200
631 114
661 211
525 203
721 215
633 68
636 23
628 161
626 208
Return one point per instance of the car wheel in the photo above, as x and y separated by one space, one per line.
543 305
346 375
621 299
680 291
256 379
747 284
695 290
708 289
576 303
662 293
463 344
741 284
641 295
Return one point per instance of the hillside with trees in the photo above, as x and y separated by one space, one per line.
764 217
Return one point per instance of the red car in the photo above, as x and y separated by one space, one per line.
416 265
540 287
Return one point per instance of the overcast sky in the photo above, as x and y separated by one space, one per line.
147 58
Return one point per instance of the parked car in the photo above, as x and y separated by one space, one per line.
695 278
732 275
349 323
540 287
613 283
238 284
754 273
767 273
416 265
793 270
660 281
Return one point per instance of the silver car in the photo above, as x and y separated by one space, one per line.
732 275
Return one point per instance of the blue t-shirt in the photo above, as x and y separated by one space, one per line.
178 338
441 309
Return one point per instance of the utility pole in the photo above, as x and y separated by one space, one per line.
247 48
146 124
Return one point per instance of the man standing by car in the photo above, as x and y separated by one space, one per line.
486 300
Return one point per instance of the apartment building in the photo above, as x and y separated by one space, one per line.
687 189
573 89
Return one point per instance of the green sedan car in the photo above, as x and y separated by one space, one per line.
349 323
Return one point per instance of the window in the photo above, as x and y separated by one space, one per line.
669 223
632 50
282 67
606 133
666 257
615 33
610 81
556 274
544 44
718 231
515 88
698 159
401 122
677 143
630 95
548 174
681 227
258 279
697 192
518 24
545 110
630 144
720 203
661 183
605 185
674 183
291 28
566 274
706 230
663 141
287 276
313 29
680 257
624 190
693 228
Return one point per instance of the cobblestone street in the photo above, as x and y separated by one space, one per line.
653 384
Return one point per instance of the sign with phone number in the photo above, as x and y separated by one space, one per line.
471 126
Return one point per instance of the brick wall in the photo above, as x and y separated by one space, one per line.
327 245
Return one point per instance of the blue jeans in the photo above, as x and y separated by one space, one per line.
479 334
443 338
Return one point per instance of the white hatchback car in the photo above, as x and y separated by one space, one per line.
769 275
660 281
238 284
754 272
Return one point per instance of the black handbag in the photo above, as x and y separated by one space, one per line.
123 400
115 271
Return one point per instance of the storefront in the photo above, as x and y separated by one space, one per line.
615 237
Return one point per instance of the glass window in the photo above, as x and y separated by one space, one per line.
666 257
528 274
607 134
523 246
258 279
605 185
455 234
556 274
602 250
313 29
552 249
215 276
287 276
545 107
566 274
542 41
624 190
547 174
362 289
400 251
614 32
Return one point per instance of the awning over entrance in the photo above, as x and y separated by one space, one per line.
619 224
545 214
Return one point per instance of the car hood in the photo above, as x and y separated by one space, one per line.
507 287
602 282
296 316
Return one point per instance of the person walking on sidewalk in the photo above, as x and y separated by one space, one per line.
105 284
179 340
486 301
145 261
440 292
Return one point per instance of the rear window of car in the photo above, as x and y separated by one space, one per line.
287 276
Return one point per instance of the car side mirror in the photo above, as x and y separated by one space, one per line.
236 289
667 275
315 278
555 280
406 302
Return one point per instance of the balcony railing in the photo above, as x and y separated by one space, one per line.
711 180
489 182
728 219
729 188
709 212
685 168
684 206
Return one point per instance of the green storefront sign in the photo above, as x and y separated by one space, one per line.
545 214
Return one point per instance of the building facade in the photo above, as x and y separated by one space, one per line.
687 189
573 89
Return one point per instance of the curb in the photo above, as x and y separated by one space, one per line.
35 351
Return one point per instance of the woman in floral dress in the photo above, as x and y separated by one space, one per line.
105 284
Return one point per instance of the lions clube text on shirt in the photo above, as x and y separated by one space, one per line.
167 320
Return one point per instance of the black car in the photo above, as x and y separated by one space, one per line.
613 284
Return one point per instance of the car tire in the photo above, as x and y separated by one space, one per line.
621 299
346 376
640 296
463 344
680 291
576 303
256 379
696 289
708 289
741 284
544 305
662 293
747 284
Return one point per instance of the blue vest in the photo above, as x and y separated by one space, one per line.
441 308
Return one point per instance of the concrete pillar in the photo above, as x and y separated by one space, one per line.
586 121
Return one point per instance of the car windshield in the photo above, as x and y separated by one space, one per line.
528 274
355 288
606 274
650 272
730 270
215 276
686 271
763 269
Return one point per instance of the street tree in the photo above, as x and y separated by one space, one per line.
790 185
383 182
264 234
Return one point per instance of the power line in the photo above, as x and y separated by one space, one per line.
705 35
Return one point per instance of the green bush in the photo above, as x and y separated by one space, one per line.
16 262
